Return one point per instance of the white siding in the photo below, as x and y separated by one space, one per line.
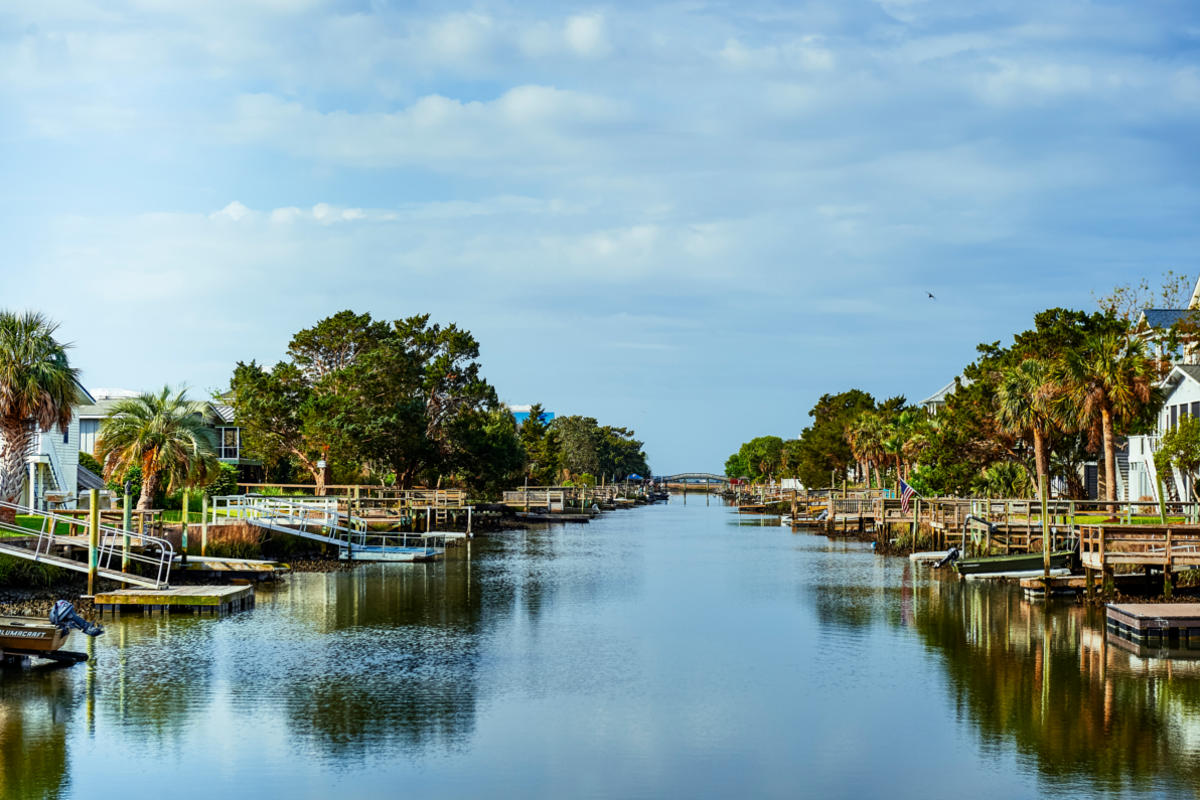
1183 400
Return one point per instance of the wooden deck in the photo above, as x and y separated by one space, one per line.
219 600
1166 546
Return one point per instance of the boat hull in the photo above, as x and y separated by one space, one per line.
1012 563
368 553
29 634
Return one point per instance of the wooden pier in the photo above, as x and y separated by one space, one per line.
216 600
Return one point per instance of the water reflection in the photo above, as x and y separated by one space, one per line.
1050 682
37 708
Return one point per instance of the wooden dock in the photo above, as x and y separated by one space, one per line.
1155 621
217 600
1067 585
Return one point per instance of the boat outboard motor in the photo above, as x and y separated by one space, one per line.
63 617
950 557
824 515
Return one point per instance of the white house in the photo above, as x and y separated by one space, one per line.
934 403
218 416
1182 390
53 463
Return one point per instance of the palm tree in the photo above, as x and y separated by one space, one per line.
164 434
1105 384
37 390
866 436
1025 407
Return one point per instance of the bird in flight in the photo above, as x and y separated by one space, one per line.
931 297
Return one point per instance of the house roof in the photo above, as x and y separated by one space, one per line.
940 395
1178 374
218 413
1164 317
88 479
222 410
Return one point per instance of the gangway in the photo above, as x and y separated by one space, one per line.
318 519
154 554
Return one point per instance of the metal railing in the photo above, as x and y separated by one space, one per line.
154 554
318 518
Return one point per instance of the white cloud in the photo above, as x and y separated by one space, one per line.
524 126
586 35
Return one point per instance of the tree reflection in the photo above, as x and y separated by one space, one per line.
35 711
1052 684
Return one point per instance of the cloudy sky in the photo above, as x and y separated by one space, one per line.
690 218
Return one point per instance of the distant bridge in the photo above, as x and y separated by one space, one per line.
693 477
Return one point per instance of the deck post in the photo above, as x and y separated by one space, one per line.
1089 582
93 539
126 524
1168 589
203 524
1044 490
1162 505
183 534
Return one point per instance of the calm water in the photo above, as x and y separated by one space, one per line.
670 651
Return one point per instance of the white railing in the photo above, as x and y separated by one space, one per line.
317 518
115 546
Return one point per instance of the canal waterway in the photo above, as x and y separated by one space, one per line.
668 651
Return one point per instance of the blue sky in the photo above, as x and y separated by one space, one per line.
690 218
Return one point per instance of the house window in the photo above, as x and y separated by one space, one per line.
1196 408
230 443
67 436
88 428
1174 416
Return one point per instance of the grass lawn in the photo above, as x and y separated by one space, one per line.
1102 519
33 523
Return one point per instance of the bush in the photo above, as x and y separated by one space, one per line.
90 462
19 572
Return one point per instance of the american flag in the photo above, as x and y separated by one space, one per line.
906 494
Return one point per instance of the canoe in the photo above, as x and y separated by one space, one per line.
1012 563
30 634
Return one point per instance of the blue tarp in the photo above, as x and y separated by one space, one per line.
633 476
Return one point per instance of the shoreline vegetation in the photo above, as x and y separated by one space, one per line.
1018 420
391 405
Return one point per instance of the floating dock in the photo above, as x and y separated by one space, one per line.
217 600
1066 585
1149 622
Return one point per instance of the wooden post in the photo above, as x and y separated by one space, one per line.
1162 505
183 534
1167 587
203 524
1089 581
916 521
93 539
1044 490
126 525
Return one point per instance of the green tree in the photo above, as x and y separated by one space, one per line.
823 447
736 467
578 443
1180 448
1107 386
165 435
1025 407
763 457
488 450
38 387
284 416
541 447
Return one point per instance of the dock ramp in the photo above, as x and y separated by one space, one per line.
319 519
48 545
